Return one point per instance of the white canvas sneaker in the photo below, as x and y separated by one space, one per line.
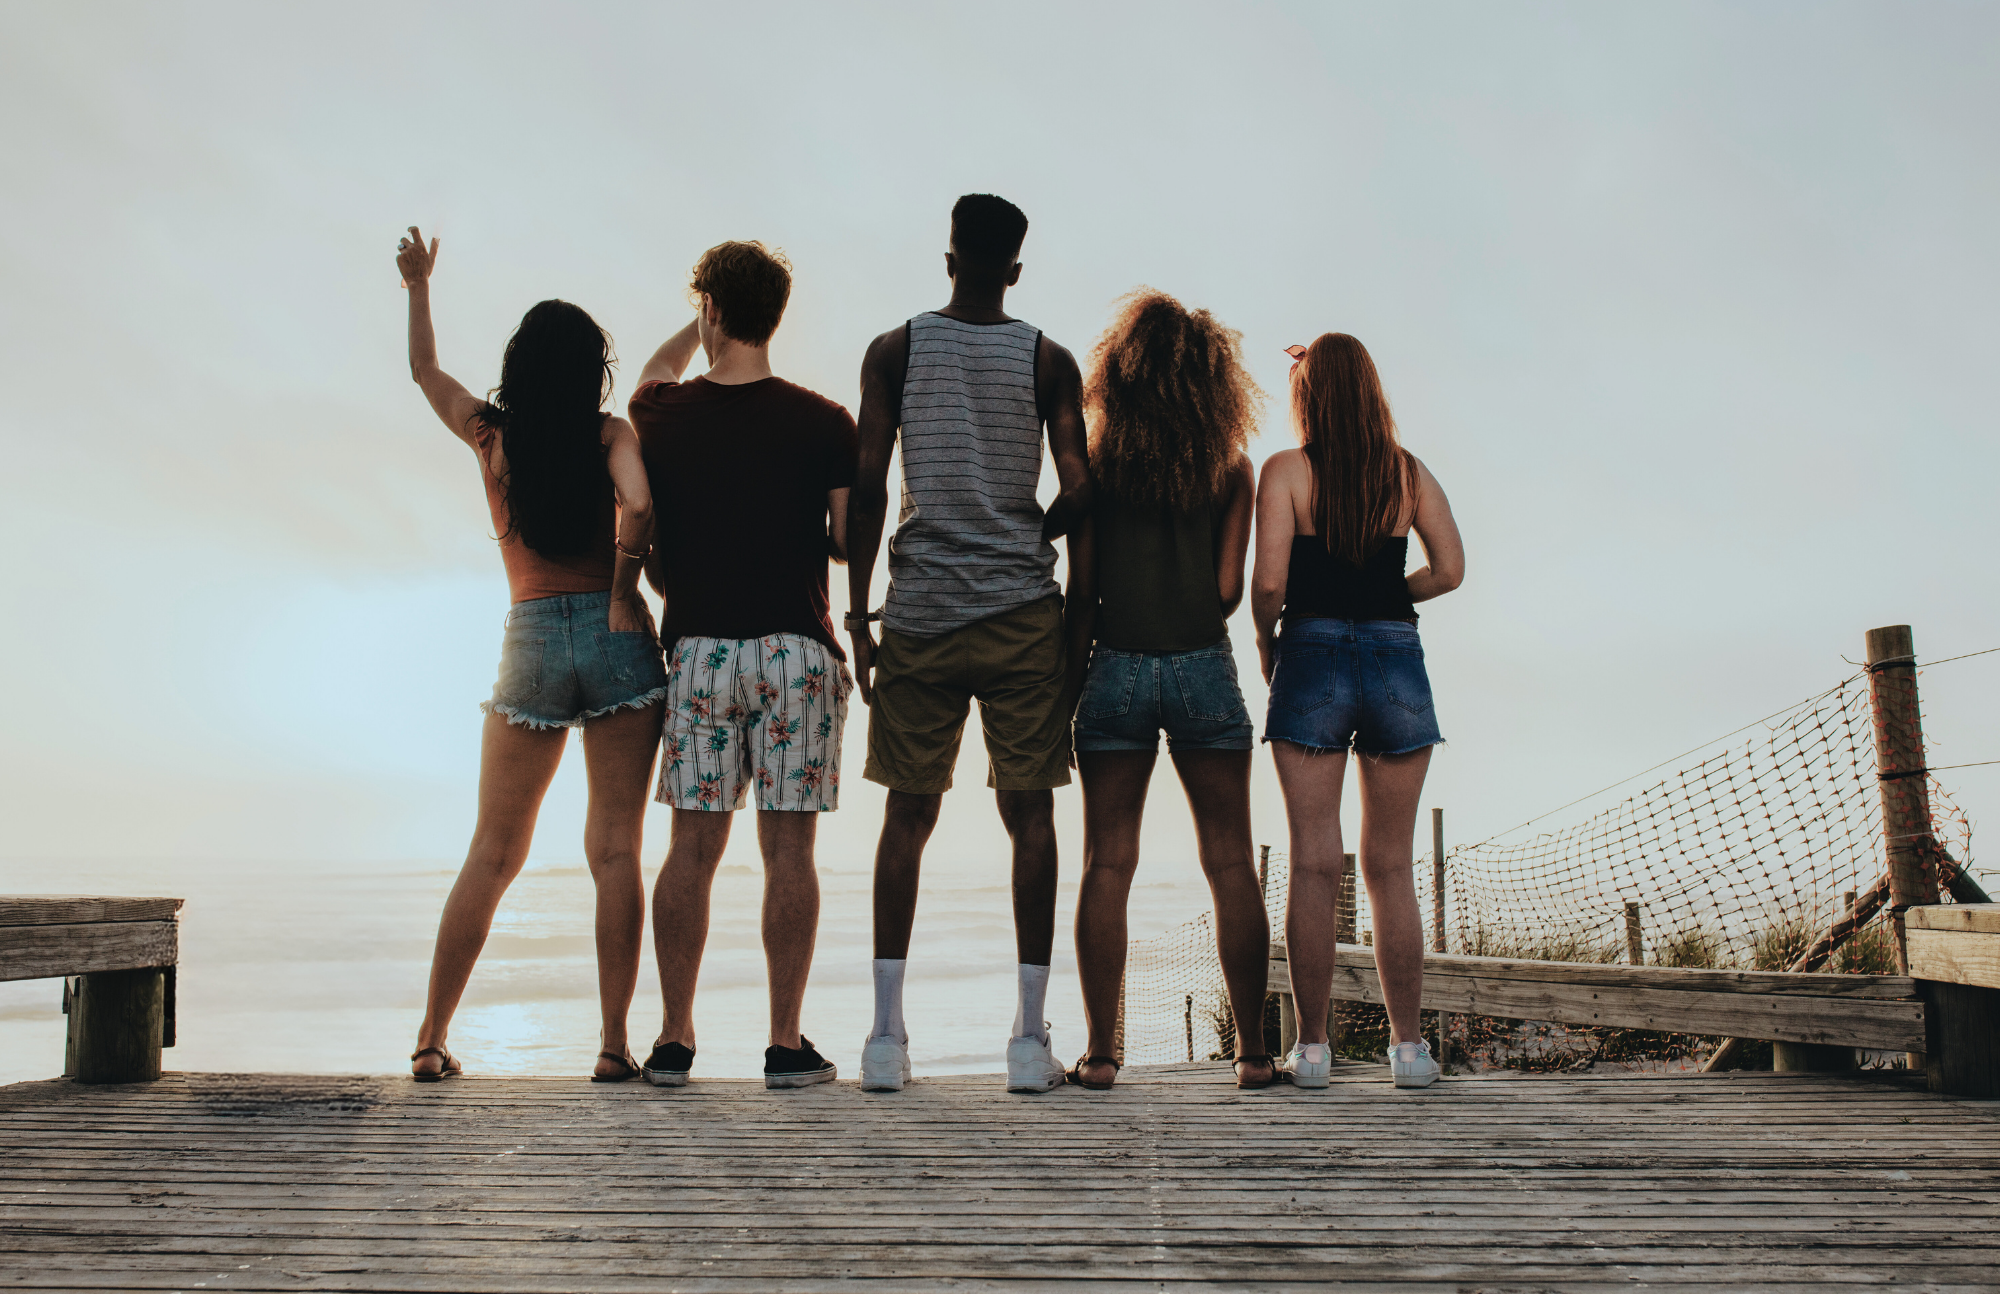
885 1064
1032 1065
1308 1065
1411 1065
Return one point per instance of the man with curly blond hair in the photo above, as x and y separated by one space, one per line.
750 475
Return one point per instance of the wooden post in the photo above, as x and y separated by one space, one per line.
1635 937
1902 777
1343 933
1118 1029
117 1022
1187 1020
1437 923
1264 874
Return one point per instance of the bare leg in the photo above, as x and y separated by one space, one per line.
791 914
1114 802
1217 783
680 915
516 765
907 822
1311 782
1030 819
618 751
1390 788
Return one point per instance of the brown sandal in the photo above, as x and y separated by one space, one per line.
448 1068
1075 1074
625 1059
1265 1061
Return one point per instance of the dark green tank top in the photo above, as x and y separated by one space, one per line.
1156 576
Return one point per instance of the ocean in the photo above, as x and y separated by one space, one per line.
296 968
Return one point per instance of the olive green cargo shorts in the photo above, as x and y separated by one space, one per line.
1012 663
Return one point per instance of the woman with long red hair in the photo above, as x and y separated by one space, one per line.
1334 518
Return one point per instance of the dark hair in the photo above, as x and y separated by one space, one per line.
548 407
1362 478
1169 402
749 284
987 231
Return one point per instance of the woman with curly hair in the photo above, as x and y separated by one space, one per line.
567 492
1333 535
1170 409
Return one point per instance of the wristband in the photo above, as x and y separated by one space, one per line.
637 557
861 617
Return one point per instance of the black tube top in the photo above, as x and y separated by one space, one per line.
1320 584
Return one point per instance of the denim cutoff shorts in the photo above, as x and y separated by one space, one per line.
561 665
1129 697
1338 684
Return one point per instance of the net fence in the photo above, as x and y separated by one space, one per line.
1733 861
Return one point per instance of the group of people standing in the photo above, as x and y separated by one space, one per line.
732 492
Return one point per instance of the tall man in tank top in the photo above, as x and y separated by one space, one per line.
973 609
751 474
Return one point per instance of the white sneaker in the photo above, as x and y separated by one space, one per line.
1032 1065
885 1064
1308 1065
1411 1064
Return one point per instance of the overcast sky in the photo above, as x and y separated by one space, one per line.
1691 310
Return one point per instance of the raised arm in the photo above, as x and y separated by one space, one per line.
1059 392
629 612
1444 551
672 358
1276 527
454 405
868 501
1239 504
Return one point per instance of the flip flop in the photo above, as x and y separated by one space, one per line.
1266 1061
1075 1074
450 1069
625 1059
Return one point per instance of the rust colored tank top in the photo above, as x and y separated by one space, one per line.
530 575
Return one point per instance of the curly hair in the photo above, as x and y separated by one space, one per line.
1169 402
749 283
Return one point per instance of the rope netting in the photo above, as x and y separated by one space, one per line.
1735 861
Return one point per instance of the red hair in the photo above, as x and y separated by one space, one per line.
1363 480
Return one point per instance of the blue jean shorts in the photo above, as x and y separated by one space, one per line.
1338 684
1129 697
560 664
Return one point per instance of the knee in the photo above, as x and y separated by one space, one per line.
1319 868
607 860
911 814
1027 812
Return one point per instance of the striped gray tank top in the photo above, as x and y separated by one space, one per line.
968 544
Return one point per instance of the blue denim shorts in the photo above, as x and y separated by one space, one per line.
561 665
1129 697
1352 683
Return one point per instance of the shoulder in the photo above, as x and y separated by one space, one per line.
655 395
820 410
1283 466
890 345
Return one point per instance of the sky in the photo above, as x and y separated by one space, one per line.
1690 308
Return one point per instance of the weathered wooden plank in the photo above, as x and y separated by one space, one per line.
1617 975
52 951
1979 918
1954 955
1570 999
82 909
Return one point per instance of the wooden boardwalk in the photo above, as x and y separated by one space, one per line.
1175 1180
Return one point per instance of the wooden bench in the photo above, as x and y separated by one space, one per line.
1954 953
116 957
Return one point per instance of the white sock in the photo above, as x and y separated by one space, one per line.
1034 997
889 999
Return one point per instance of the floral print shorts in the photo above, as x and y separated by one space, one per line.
753 716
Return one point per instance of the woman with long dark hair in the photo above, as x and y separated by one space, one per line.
567 492
1160 571
1333 523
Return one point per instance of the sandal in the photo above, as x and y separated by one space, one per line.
625 1059
448 1068
1265 1061
1075 1074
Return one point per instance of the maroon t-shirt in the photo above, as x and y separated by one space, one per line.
740 476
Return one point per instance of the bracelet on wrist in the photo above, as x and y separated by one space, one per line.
861 617
637 557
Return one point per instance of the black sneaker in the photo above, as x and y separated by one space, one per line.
796 1066
669 1064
